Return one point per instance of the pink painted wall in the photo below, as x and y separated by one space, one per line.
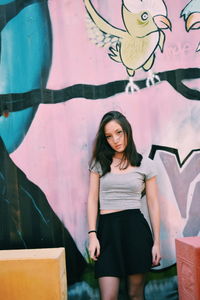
57 148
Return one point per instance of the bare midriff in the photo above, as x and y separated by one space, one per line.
108 211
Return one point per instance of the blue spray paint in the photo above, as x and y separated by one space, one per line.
26 48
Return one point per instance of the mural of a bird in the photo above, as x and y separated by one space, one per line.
135 45
191 15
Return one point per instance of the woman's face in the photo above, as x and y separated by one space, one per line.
115 136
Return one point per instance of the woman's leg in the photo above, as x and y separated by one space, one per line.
136 286
109 288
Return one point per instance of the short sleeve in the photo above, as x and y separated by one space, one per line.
150 168
95 167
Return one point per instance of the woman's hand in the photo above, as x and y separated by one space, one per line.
94 246
156 257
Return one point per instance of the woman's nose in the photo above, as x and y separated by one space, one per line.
115 138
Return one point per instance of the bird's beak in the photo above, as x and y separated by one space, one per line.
162 22
193 21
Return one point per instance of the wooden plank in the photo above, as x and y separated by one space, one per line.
188 267
33 274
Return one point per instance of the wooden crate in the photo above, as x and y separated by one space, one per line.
33 274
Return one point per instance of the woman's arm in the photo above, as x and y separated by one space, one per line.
92 211
154 212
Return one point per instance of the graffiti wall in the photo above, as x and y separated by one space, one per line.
63 64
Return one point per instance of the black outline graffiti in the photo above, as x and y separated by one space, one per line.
193 222
19 101
174 151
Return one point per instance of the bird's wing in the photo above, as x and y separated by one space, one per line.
100 38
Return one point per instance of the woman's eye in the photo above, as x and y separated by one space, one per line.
119 132
107 137
144 16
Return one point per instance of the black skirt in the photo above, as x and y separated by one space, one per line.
125 244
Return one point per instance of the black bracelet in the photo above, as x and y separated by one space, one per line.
91 231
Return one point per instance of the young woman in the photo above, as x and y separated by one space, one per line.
123 245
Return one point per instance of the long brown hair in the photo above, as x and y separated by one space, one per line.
103 153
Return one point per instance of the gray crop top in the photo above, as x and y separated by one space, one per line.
123 191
